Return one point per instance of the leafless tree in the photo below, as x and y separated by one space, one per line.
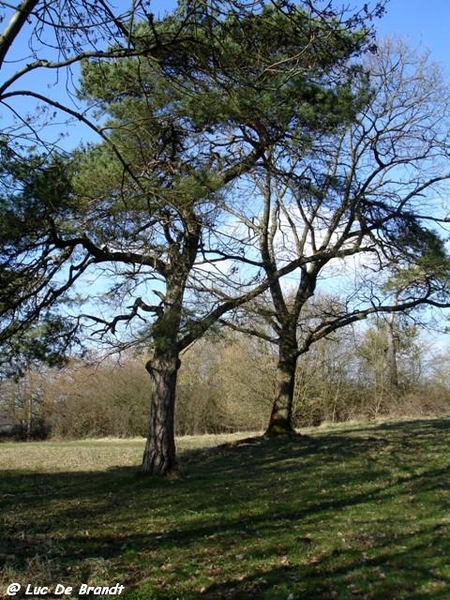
364 211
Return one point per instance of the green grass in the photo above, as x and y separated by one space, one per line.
345 513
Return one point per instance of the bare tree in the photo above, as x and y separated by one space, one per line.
363 211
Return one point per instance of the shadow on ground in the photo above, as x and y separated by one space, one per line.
359 513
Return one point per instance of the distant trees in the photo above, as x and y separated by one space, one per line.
225 384
23 355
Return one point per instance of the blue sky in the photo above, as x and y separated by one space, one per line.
422 23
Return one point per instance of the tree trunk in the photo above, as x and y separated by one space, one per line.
280 422
391 353
160 455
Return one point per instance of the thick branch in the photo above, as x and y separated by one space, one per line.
103 255
14 26
200 327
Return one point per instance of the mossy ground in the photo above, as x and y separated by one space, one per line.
360 512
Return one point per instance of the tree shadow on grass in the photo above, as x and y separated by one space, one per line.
264 509
407 574
441 423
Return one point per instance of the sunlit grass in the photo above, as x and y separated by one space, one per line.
359 512
92 454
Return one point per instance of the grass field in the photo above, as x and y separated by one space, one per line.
344 513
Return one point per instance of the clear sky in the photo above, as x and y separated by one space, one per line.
423 23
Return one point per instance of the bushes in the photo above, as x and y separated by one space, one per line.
110 399
225 384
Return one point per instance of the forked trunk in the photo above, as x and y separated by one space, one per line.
280 422
160 455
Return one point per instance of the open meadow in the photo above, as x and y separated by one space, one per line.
359 512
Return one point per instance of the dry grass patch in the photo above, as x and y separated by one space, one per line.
93 454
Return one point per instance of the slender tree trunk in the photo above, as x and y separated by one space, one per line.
29 415
280 422
160 454
391 353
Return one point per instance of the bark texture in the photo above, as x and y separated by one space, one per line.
160 452
280 422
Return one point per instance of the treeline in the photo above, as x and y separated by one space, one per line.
226 384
